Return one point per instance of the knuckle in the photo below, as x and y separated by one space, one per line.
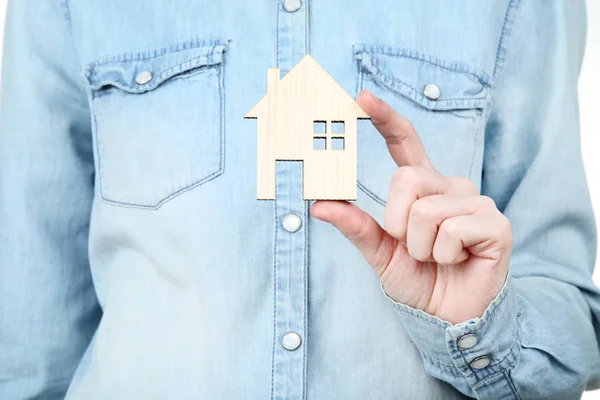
360 228
487 203
448 228
441 256
465 185
394 225
406 175
422 208
505 231
401 126
395 230
407 126
417 253
470 186
396 233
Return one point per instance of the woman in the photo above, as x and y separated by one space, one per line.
136 262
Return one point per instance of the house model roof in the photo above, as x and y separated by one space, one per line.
308 69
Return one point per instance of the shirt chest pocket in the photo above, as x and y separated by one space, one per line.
448 115
158 123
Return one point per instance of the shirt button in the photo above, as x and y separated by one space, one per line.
143 77
291 223
291 341
431 91
292 5
467 341
480 362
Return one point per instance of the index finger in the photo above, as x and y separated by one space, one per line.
402 140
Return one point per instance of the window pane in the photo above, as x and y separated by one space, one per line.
337 143
337 127
319 143
319 127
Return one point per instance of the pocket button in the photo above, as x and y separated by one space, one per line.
431 91
143 77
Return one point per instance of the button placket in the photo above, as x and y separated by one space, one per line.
290 280
291 213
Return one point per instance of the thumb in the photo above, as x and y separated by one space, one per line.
360 228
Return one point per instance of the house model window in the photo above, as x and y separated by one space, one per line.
323 139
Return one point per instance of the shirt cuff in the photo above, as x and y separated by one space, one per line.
492 347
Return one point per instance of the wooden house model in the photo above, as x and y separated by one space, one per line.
307 116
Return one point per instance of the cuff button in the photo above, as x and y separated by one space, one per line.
480 362
467 341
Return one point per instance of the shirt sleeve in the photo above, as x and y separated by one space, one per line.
48 307
539 339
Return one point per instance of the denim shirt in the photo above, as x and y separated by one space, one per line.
137 263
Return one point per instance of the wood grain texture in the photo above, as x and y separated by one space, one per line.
286 131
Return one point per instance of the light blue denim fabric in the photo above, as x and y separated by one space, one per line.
136 262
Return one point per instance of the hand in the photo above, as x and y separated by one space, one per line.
445 248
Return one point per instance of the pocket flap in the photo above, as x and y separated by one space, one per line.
407 72
121 71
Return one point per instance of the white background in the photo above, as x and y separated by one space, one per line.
589 89
589 96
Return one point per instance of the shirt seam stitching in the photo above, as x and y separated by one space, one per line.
400 86
425 58
149 54
274 298
511 385
503 44
69 25
167 73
